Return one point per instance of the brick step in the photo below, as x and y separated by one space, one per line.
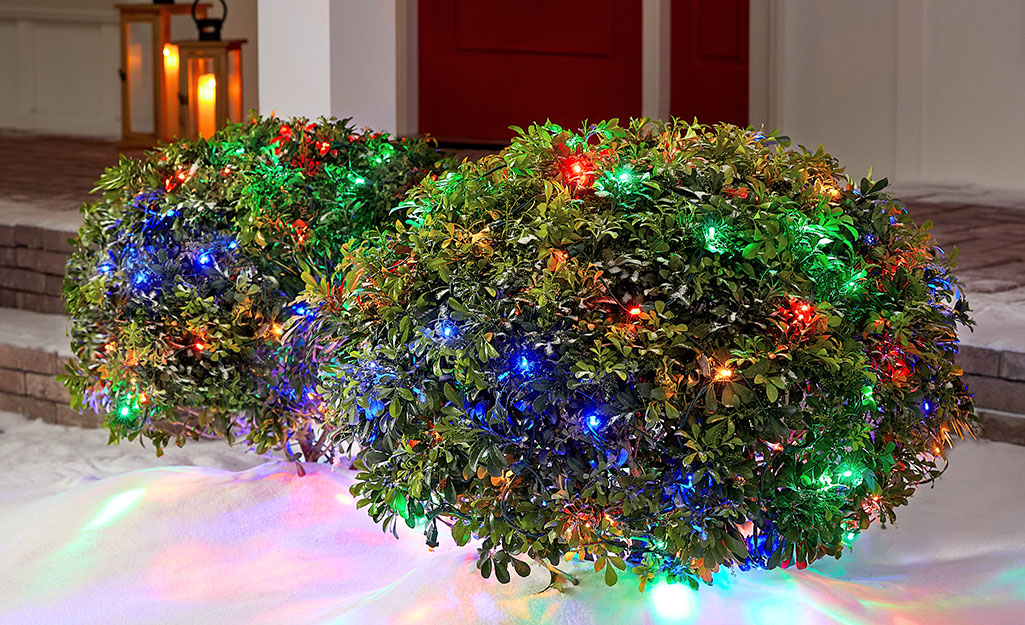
33 253
34 348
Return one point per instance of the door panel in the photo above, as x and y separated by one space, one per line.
484 66
709 60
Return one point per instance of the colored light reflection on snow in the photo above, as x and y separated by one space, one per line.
780 610
675 603
116 507
188 545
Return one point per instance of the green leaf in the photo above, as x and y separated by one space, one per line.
522 568
610 576
502 572
461 532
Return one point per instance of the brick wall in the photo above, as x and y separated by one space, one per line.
32 262
28 386
997 380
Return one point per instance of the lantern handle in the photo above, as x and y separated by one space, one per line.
224 7
209 27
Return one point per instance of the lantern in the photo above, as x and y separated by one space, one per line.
149 72
209 85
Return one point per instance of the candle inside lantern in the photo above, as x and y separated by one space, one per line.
171 57
170 89
206 105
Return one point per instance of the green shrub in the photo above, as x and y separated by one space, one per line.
672 347
184 272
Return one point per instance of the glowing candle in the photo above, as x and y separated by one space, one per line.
170 89
206 105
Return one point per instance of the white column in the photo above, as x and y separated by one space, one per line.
364 68
295 57
655 78
336 57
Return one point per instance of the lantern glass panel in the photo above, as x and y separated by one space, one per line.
235 85
139 76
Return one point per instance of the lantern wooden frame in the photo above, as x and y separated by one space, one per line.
222 59
157 17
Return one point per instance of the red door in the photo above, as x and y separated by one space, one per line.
709 60
487 65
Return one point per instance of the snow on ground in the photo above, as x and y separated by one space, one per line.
39 459
98 535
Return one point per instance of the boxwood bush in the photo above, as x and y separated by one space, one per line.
666 347
184 272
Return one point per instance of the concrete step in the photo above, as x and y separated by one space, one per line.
33 254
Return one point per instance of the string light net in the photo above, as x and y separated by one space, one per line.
668 349
184 272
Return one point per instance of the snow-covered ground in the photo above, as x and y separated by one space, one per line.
91 534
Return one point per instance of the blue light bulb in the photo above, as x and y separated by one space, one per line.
594 421
524 364
204 259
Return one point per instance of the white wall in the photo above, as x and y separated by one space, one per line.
974 92
58 68
923 90
59 60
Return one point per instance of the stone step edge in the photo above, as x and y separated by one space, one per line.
32 262
1002 427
